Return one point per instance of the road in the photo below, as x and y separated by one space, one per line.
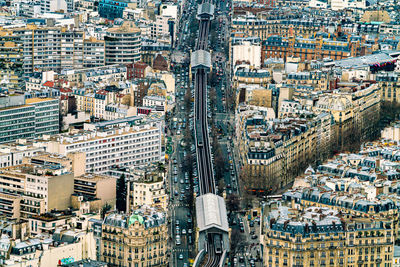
179 183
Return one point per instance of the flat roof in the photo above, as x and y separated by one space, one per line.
38 99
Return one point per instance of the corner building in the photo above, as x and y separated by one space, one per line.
324 237
136 240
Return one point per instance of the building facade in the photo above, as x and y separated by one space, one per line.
123 44
139 239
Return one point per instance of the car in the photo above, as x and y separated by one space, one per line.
190 240
190 231
177 222
252 232
183 232
185 264
182 181
187 187
175 179
254 237
181 256
181 198
187 181
176 193
251 223
241 259
189 220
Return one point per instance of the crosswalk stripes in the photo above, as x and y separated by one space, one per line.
179 205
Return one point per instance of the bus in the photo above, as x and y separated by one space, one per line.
217 244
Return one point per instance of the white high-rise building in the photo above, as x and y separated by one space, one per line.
112 143
57 5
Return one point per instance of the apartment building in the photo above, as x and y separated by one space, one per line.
47 6
45 48
146 186
94 186
111 73
318 80
322 236
112 143
47 112
355 108
17 120
389 86
246 50
20 118
122 44
136 239
93 53
30 189
272 153
39 183
263 27
112 9
316 48
11 61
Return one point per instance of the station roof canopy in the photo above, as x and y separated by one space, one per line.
211 212
205 9
200 58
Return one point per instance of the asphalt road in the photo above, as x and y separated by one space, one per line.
178 184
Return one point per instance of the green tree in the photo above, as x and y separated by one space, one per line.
121 194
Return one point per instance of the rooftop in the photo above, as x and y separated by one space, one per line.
211 212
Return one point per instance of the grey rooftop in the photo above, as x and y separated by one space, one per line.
205 9
211 212
200 58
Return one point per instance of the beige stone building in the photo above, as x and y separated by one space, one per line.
95 186
273 153
324 237
139 239
355 108
34 189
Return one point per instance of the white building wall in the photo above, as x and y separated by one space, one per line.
248 52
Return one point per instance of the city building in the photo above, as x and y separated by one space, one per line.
122 44
112 9
139 238
317 236
308 48
14 152
66 6
125 142
246 50
35 189
47 112
22 119
96 187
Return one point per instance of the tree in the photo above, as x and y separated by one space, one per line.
233 203
121 194
238 242
104 210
